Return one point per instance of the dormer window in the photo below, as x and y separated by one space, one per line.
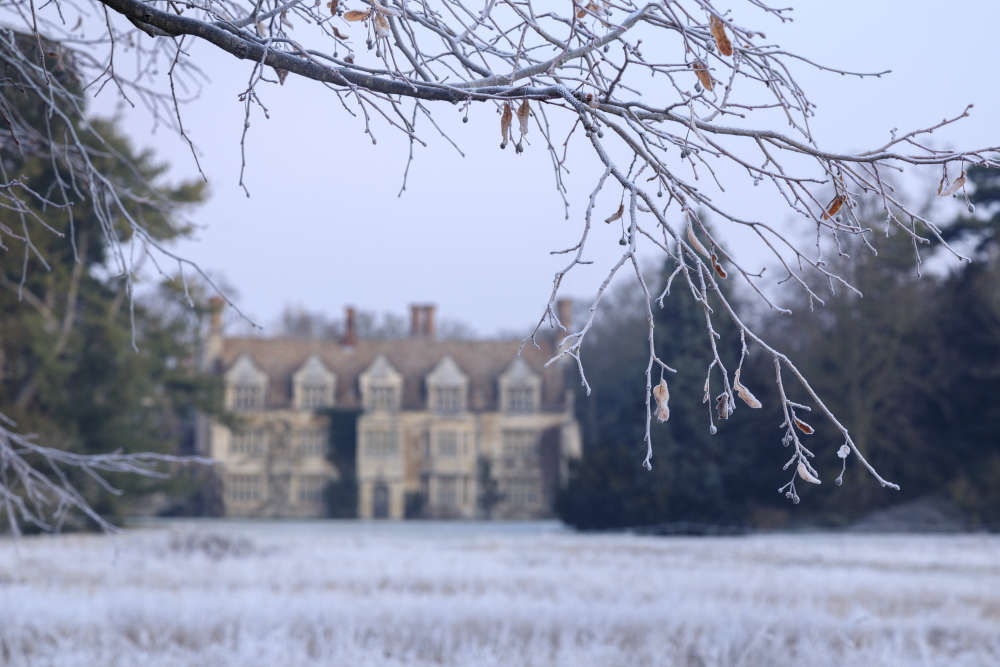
247 397
382 398
313 396
447 400
520 388
313 385
446 388
246 386
381 386
520 399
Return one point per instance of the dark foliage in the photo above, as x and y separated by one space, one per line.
913 368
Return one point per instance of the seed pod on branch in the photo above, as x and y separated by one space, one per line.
834 206
662 395
701 71
806 475
721 38
381 24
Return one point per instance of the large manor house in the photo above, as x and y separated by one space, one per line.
435 428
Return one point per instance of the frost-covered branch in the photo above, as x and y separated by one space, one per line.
35 484
671 100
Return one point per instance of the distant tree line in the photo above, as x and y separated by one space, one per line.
305 324
912 368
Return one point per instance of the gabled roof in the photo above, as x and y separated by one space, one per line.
381 369
313 371
245 371
481 361
519 372
446 373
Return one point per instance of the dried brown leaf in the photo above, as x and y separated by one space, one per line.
718 267
662 396
617 214
523 113
333 4
954 187
718 29
744 393
339 34
381 24
701 70
834 206
693 240
802 426
505 119
722 406
357 15
806 475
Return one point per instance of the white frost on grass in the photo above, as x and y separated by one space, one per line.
252 594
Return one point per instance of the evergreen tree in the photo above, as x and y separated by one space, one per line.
67 323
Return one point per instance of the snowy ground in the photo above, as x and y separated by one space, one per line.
216 593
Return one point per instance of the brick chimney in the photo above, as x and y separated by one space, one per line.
414 320
216 305
564 309
211 347
422 320
350 327
429 330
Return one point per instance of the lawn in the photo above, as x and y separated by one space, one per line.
343 593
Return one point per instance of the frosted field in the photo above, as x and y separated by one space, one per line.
471 594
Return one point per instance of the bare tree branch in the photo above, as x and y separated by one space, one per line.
660 114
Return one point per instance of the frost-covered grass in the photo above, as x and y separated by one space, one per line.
426 594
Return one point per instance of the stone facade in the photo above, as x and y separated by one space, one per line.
444 429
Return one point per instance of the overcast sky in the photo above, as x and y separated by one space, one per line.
324 228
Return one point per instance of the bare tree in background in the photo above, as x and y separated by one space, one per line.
647 91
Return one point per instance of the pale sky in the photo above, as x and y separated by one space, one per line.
324 228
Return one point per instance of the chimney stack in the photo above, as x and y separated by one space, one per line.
414 320
350 327
564 309
211 347
215 305
429 320
422 320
